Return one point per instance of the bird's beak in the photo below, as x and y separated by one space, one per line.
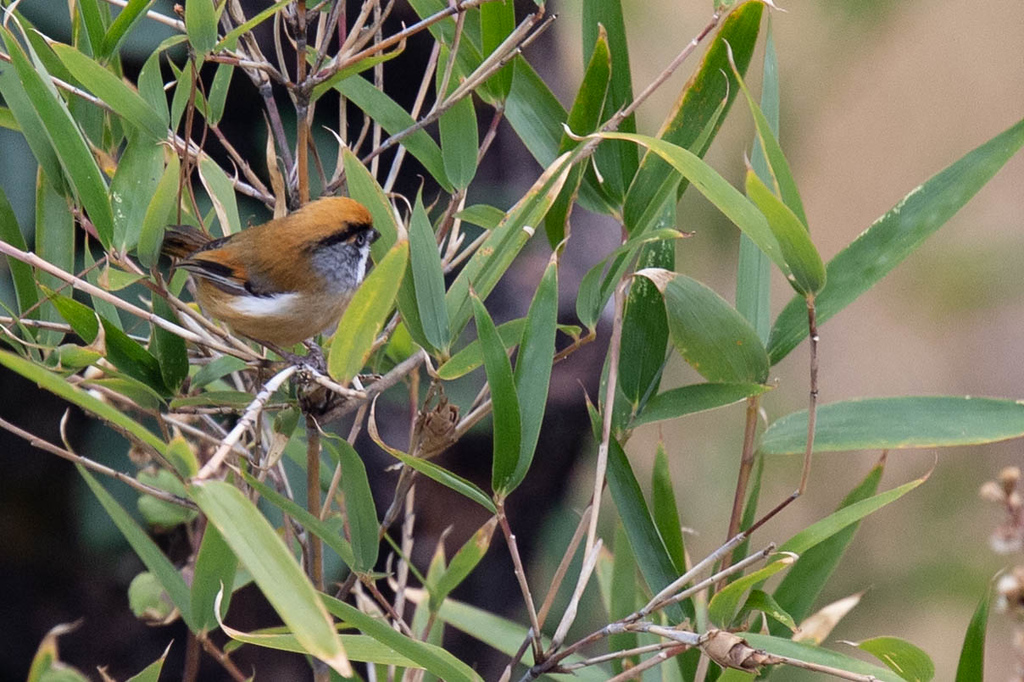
374 235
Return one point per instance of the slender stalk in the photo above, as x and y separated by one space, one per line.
301 103
659 658
316 558
130 481
743 477
520 572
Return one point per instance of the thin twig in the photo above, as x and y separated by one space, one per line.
248 419
316 557
520 572
46 446
743 477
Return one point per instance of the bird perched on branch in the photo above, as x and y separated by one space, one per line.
286 280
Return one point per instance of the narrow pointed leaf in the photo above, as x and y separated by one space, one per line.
311 523
694 398
66 139
138 174
201 25
697 116
895 236
830 525
902 657
726 603
121 27
804 582
446 478
972 655
432 658
428 278
826 657
359 506
21 273
533 367
112 90
463 563
262 552
894 423
584 117
782 182
169 348
708 332
459 140
505 404
366 314
58 386
497 20
215 570
471 357
158 213
806 271
221 191
665 510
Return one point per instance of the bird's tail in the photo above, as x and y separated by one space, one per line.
181 241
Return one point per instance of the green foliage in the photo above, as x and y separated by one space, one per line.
214 418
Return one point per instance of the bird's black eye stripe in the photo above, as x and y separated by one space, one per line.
344 234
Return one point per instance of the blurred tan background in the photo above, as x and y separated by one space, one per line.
877 97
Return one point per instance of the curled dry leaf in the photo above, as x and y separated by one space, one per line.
732 651
818 626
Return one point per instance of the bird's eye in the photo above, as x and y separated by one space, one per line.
361 240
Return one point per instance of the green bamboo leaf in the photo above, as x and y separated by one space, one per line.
895 236
694 398
21 273
504 635
695 120
359 506
462 564
121 27
138 174
169 348
359 648
394 119
753 271
902 657
55 384
94 20
432 658
81 317
505 404
708 332
218 94
644 324
481 215
216 369
130 357
536 116
533 366
8 121
971 666
201 25
766 604
313 524
504 243
716 189
825 657
158 564
830 525
215 571
806 271
364 188
30 125
54 243
665 510
221 192
262 552
237 399
428 278
182 93
623 597
471 357
651 554
446 478
151 673
782 182
497 21
726 603
894 423
65 138
158 213
459 135
618 162
125 101
584 118
805 581
366 314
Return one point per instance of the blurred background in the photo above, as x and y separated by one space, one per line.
877 96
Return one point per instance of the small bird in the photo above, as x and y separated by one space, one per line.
286 280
